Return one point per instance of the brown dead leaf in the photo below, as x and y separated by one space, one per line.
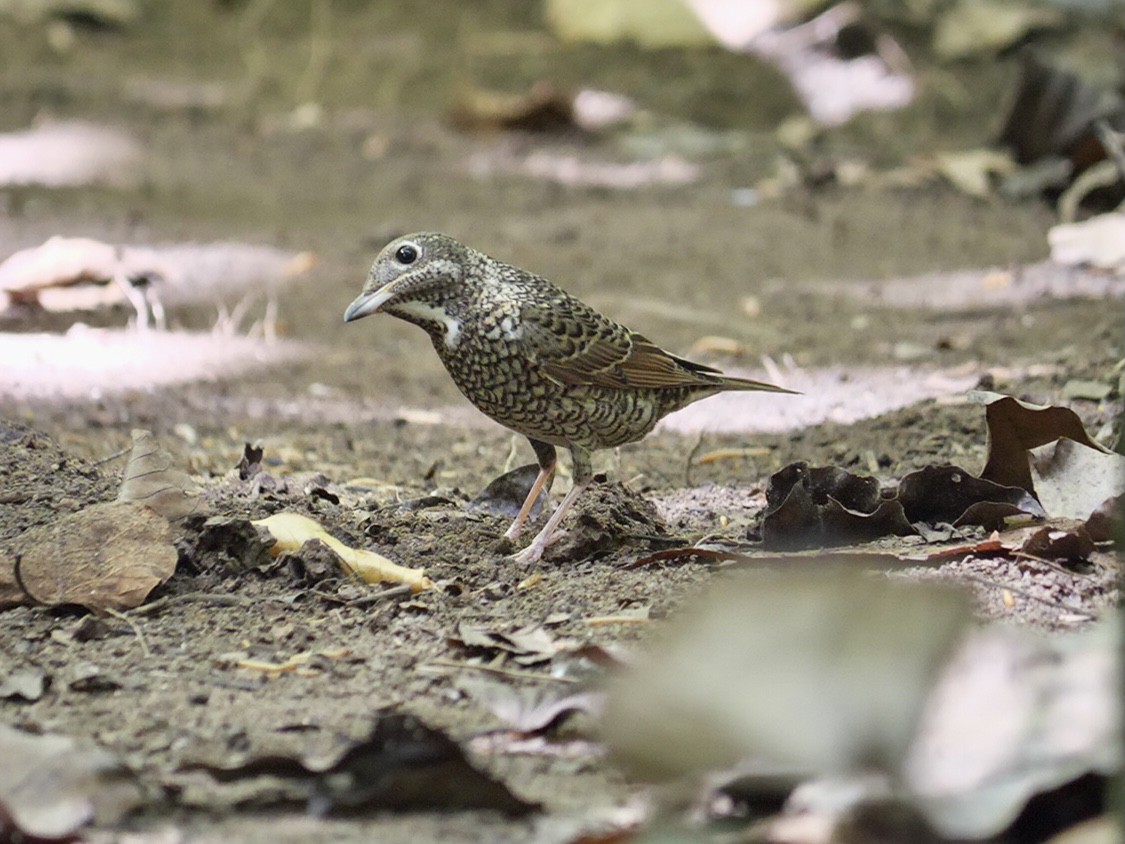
950 494
107 556
1015 427
1107 522
825 506
152 479
1067 545
505 495
1046 451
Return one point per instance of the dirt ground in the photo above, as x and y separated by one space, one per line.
364 431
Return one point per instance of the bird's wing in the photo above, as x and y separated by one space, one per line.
575 345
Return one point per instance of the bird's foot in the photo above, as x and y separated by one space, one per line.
533 553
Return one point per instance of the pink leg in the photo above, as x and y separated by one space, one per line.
516 528
533 552
583 474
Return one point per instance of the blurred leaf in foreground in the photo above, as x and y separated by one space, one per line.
50 786
823 674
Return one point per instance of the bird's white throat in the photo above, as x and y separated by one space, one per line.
435 313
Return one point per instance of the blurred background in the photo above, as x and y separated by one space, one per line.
729 178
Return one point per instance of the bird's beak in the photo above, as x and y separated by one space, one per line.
368 302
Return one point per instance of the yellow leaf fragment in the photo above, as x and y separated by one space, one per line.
732 454
292 664
292 530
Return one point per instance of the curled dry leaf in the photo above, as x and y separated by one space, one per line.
505 495
1046 451
107 556
152 479
1015 427
291 531
950 494
1052 114
1107 522
1072 545
823 506
1072 481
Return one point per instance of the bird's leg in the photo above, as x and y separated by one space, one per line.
156 306
583 473
135 296
548 459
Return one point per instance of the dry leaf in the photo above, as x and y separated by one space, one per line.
949 494
820 672
1107 522
823 506
1015 428
530 709
152 479
1072 480
50 786
291 531
505 495
527 645
107 556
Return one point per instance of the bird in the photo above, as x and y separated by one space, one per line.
535 359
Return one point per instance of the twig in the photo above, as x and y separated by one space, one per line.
1113 142
136 628
225 600
1104 174
365 600
17 574
113 456
1023 555
492 669
691 459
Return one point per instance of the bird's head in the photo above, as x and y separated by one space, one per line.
418 278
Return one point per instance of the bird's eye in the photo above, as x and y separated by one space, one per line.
406 254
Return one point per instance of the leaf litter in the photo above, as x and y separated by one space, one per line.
469 584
